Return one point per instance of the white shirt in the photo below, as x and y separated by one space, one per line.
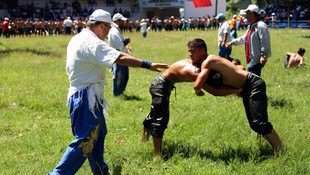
224 28
143 27
87 59
68 22
115 39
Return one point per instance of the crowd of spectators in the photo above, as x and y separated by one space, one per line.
42 27
56 10
298 11
55 18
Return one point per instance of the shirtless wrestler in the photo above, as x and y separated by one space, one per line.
185 70
253 94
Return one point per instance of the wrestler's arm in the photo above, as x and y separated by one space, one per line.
223 91
200 81
301 60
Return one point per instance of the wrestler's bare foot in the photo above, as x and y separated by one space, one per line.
275 141
157 146
145 134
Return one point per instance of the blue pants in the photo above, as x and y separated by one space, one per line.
120 78
144 34
224 52
256 69
90 134
233 33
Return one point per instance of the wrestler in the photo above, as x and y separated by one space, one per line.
185 70
253 94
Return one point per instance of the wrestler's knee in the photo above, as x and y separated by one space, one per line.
262 128
157 133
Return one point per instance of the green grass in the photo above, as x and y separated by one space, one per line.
205 135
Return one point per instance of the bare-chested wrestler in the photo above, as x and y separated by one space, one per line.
28 25
185 70
253 94
20 27
293 59
57 26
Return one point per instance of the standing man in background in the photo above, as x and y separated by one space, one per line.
223 37
256 41
144 27
118 42
6 31
68 25
233 27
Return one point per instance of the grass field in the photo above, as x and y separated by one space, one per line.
205 135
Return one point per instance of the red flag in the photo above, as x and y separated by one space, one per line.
202 3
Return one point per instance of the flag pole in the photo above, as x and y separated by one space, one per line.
216 7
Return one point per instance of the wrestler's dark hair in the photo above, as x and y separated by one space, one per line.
198 43
237 60
301 51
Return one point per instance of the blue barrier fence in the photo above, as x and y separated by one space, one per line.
294 24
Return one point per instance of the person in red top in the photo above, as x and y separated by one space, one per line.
5 25
256 41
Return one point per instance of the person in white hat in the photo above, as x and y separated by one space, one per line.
274 20
88 56
143 25
117 41
223 37
256 41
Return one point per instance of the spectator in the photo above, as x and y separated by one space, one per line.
68 25
233 27
256 41
6 31
118 42
144 28
274 20
223 37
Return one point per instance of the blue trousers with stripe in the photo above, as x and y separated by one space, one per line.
120 79
90 133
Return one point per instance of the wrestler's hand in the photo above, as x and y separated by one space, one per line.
199 93
155 66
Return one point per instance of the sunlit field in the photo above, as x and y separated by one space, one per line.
205 135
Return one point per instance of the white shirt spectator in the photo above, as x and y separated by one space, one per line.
68 22
115 39
143 27
224 28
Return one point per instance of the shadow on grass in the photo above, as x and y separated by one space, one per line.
280 103
34 51
130 97
226 155
308 37
244 154
117 169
